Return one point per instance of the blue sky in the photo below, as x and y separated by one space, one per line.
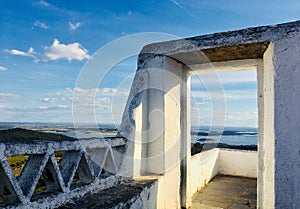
45 44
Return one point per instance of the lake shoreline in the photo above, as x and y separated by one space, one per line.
200 147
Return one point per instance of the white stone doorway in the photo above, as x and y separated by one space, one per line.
265 86
206 165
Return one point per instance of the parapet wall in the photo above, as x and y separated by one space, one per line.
203 167
206 165
92 160
238 163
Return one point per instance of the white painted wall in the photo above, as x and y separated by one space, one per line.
206 165
156 135
203 167
286 148
266 144
238 163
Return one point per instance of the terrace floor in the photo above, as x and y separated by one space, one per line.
227 192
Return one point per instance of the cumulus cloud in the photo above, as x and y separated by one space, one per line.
2 68
40 25
73 51
74 26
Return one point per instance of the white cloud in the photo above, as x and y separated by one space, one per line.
241 119
107 90
41 25
83 100
238 76
6 97
183 8
29 53
239 115
35 109
17 52
49 100
96 97
57 107
241 94
84 103
95 91
220 78
229 94
74 26
103 103
44 3
2 68
73 51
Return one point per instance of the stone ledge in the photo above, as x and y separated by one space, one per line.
123 195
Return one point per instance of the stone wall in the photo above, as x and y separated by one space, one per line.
206 165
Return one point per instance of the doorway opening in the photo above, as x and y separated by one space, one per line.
225 155
234 149
240 122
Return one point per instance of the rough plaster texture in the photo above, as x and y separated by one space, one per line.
203 167
251 42
146 199
57 177
286 62
206 165
266 172
261 142
153 118
278 48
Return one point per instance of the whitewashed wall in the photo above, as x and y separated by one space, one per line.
203 167
238 163
206 165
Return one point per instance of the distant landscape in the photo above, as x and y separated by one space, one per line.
30 132
202 139
202 134
27 136
67 129
244 138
